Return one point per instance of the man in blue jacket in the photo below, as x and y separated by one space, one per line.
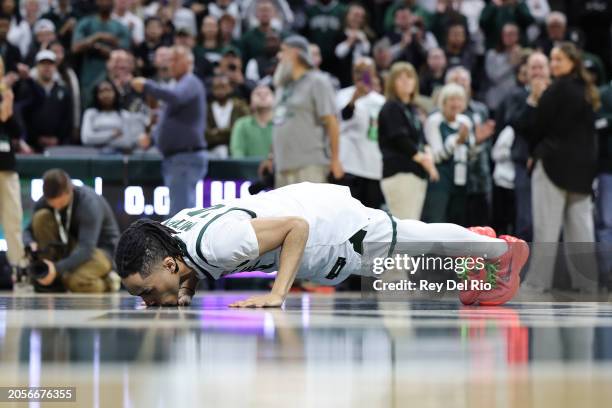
179 134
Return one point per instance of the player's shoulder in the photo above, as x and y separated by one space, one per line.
227 241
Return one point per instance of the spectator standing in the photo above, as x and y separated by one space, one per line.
500 66
20 33
231 66
382 57
405 43
174 14
227 22
556 30
459 52
433 74
498 13
145 51
209 46
261 69
44 35
10 54
283 18
120 71
359 106
94 38
324 25
11 212
252 134
223 112
31 10
412 5
220 8
69 79
48 116
353 43
564 148
406 162
84 224
315 57
511 114
64 17
504 202
179 130
132 22
306 132
253 42
162 61
480 184
107 126
447 13
450 135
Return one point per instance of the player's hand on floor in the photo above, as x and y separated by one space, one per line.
184 299
269 300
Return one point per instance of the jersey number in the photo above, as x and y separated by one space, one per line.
335 270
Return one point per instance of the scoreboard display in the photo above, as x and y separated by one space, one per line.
135 201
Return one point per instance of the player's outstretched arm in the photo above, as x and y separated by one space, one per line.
290 233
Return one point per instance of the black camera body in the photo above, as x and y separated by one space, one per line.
37 268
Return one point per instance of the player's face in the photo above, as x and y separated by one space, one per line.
159 288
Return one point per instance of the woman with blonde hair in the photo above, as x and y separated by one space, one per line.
450 136
407 164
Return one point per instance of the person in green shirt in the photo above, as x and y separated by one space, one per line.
413 6
94 38
209 46
252 134
498 13
324 25
253 42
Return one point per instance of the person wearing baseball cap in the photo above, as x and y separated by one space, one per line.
44 34
48 121
305 127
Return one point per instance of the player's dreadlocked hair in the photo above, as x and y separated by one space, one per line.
143 244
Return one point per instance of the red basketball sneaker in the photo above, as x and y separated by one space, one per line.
469 296
507 275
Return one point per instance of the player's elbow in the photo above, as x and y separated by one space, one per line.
300 226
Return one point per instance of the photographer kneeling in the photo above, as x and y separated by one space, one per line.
74 233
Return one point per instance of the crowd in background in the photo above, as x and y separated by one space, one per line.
442 110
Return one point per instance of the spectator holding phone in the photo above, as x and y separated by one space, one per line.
359 106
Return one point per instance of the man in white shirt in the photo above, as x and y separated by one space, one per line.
131 21
307 231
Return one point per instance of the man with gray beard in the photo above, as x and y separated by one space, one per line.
305 135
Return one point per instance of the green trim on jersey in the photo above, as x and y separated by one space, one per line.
393 235
201 234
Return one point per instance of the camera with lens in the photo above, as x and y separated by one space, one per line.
37 268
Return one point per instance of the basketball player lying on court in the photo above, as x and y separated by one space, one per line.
308 231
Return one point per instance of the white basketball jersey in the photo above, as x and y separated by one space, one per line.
220 240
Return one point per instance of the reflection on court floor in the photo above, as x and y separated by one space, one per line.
327 350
